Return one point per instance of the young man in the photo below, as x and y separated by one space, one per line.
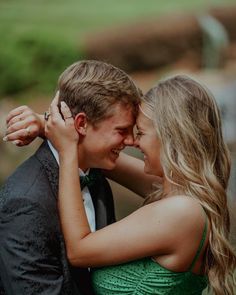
103 101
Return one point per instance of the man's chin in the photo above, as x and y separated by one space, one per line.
106 165
110 165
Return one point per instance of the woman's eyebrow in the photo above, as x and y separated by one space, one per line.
138 127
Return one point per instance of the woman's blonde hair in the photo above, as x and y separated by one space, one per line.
196 160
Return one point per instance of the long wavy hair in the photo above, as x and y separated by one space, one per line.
196 160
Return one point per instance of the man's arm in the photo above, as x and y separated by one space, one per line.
28 264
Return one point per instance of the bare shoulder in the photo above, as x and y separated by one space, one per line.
181 214
182 221
182 206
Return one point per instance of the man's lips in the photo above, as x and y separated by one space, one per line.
116 151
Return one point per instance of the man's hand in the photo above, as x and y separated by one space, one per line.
23 126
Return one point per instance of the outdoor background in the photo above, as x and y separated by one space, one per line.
148 39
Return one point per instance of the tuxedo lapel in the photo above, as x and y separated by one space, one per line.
103 203
50 165
45 156
100 191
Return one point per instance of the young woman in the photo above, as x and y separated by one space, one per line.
176 243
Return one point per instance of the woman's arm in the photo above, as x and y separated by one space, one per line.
129 172
141 234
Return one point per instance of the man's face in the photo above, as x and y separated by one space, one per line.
104 141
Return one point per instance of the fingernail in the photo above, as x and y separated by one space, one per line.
16 142
5 138
63 104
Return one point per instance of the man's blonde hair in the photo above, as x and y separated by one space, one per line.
94 87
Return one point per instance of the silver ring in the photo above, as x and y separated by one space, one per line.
46 116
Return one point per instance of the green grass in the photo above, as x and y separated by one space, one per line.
70 20
39 38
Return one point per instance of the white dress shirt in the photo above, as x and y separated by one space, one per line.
88 203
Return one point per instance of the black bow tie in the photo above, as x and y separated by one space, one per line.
88 180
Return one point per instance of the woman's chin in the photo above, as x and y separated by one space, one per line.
150 171
147 169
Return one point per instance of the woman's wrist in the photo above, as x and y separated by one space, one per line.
69 153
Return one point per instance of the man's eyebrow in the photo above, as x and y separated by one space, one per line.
124 126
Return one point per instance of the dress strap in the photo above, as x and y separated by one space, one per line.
200 245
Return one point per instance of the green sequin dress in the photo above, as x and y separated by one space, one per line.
146 276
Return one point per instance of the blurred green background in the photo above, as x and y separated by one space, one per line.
40 38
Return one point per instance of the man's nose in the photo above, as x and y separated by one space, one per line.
129 139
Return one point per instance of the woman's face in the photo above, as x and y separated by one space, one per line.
147 141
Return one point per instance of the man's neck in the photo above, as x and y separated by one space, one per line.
82 163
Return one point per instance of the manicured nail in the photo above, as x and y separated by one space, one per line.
63 104
16 142
5 138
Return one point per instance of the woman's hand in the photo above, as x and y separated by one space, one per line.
23 126
60 129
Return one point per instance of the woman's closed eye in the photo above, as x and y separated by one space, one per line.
139 134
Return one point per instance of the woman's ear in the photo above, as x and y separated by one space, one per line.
81 123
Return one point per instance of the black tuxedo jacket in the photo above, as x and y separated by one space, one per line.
32 251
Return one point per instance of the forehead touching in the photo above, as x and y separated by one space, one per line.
121 117
144 118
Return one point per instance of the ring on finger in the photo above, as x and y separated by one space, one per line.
46 116
20 116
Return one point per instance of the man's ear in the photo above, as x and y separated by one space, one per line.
81 123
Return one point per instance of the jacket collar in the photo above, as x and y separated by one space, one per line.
47 159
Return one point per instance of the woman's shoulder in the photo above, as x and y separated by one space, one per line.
181 214
181 206
183 220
